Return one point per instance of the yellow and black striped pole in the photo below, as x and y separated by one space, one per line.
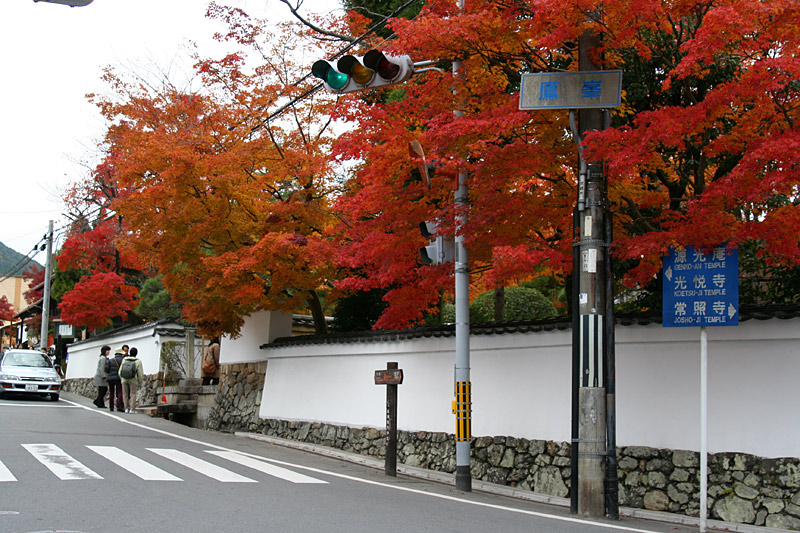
462 408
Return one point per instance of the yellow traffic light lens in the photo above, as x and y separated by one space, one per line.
361 74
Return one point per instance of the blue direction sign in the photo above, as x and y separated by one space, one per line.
701 288
571 90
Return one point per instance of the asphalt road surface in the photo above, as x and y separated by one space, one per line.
67 466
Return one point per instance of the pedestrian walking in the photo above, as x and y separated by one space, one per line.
101 376
114 381
210 365
132 375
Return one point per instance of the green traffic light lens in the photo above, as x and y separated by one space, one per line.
324 71
337 80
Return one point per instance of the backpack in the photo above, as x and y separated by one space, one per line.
128 369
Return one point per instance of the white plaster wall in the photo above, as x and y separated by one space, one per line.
259 328
521 385
82 356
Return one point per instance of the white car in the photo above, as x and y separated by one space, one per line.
29 372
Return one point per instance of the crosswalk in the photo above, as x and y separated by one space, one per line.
65 467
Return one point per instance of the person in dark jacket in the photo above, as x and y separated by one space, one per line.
100 377
114 381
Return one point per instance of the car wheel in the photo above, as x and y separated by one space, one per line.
54 397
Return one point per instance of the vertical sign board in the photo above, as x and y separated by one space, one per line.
701 288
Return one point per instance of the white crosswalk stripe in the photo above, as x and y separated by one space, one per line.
203 467
68 468
61 464
133 464
5 473
265 467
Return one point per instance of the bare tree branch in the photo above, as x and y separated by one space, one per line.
317 29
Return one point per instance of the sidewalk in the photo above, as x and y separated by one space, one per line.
501 490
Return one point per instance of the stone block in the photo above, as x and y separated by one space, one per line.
793 509
685 459
547 480
772 505
536 447
656 500
734 509
745 492
657 480
676 495
679 474
783 522
640 452
628 464
496 475
508 458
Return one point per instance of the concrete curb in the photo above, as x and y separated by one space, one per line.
501 490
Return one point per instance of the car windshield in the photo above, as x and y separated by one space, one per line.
38 360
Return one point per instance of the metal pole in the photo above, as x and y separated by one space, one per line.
463 385
576 361
703 427
612 479
390 464
48 272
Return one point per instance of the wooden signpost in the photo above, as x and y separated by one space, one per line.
391 377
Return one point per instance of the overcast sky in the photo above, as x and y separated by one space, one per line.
52 56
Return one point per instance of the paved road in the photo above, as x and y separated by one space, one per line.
68 466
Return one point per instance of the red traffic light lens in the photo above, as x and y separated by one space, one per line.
378 62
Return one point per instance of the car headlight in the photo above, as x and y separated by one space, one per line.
9 377
52 378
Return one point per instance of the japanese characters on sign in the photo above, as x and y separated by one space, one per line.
389 377
571 90
701 287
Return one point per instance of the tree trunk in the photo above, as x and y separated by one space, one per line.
320 326
499 304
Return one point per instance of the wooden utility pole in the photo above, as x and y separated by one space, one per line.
591 309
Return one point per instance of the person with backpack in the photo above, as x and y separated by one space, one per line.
210 364
100 376
132 375
114 381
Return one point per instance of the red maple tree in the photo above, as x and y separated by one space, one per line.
6 309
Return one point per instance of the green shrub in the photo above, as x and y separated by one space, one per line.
521 303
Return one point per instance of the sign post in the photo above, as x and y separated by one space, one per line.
701 289
391 377
590 93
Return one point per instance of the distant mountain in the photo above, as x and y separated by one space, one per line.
12 263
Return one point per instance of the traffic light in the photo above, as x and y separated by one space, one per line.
440 250
350 73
